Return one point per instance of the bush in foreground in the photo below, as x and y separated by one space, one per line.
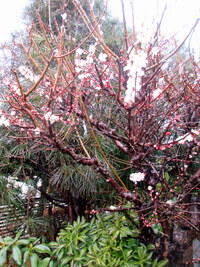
108 240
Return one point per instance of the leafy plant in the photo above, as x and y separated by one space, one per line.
107 240
23 252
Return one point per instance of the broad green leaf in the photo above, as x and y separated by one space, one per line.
44 262
33 239
66 260
60 254
42 248
17 255
3 255
8 239
23 242
34 260
26 255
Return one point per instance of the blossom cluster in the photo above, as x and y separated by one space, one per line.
137 177
4 121
189 137
28 74
51 117
84 66
135 70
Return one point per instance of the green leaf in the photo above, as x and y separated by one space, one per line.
22 242
51 263
158 186
26 255
18 235
162 263
17 255
150 246
42 248
34 260
167 176
3 255
60 254
66 260
44 262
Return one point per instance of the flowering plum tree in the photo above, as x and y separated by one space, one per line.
127 115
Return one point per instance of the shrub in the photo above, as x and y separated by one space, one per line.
107 240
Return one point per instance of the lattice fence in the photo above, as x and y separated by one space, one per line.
10 220
13 219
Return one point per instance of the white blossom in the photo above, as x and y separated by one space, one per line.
102 57
112 208
185 138
28 74
13 113
154 51
56 53
196 132
79 51
37 131
135 67
137 177
149 187
92 48
84 75
4 121
85 128
156 93
90 59
64 16
39 183
50 117
62 29
170 202
12 86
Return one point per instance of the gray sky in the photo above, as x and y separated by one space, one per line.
10 14
180 15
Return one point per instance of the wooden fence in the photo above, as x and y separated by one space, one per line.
11 220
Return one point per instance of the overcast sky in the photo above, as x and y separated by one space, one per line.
180 15
10 14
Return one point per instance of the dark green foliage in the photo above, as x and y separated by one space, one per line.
107 240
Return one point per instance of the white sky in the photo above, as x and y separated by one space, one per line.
179 17
180 13
10 13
